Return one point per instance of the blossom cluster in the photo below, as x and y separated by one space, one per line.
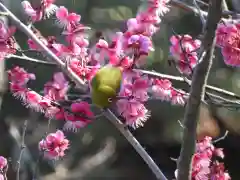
184 50
3 167
228 39
54 145
205 164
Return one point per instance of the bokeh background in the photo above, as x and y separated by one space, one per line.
99 151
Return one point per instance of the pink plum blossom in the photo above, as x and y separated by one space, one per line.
228 39
54 145
7 43
202 166
19 78
67 19
183 49
45 10
162 88
138 89
3 162
134 112
56 89
73 120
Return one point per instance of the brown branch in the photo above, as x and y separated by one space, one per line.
187 7
197 91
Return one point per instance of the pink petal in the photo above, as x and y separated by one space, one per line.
62 13
59 135
28 9
73 17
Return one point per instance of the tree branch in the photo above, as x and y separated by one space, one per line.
187 7
182 79
197 91
26 58
22 149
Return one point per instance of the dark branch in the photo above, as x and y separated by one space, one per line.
197 91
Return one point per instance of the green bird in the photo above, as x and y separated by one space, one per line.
105 86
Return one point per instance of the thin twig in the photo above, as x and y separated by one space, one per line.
197 92
181 79
29 59
186 7
200 13
137 146
79 82
41 153
22 149
221 138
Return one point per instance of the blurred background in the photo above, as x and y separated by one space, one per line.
99 151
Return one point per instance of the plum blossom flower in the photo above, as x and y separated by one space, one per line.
134 112
67 19
179 97
19 78
79 116
44 10
7 43
202 166
183 49
218 172
56 89
161 7
34 14
33 100
222 32
162 88
3 162
228 39
2 177
141 45
54 145
138 89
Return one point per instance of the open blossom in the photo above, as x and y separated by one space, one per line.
67 19
178 97
228 39
33 100
183 49
133 111
56 89
141 44
218 172
19 78
7 43
54 145
161 7
44 10
79 116
3 162
202 166
137 89
162 88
